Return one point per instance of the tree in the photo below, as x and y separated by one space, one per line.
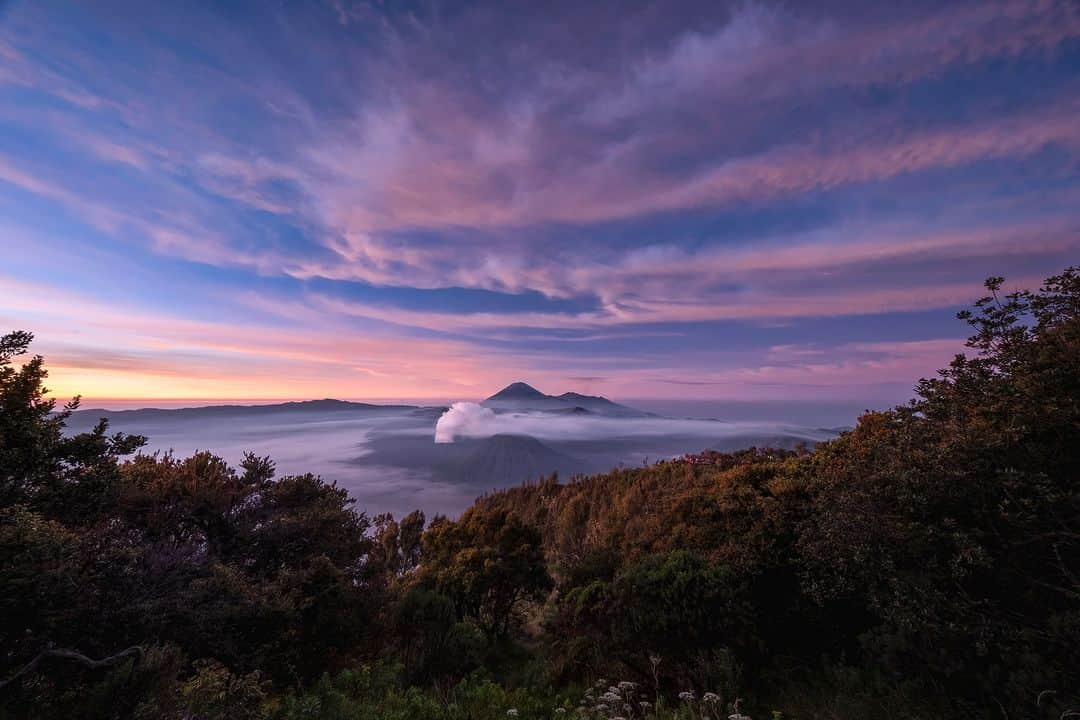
953 519
435 643
489 564
74 478
258 572
675 606
397 546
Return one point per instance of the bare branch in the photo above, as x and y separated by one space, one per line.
76 656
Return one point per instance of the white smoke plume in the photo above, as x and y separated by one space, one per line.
469 420
465 419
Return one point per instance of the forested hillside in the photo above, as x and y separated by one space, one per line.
925 564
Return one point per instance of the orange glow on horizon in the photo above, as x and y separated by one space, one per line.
127 386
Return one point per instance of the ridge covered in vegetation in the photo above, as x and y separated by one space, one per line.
925 564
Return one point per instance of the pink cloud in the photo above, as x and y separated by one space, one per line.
425 157
427 152
666 283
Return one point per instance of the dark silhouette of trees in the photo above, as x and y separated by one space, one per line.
488 564
70 478
262 574
953 519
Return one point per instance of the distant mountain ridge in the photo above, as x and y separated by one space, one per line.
521 396
515 396
82 420
294 405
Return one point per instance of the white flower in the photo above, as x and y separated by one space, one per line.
512 712
560 711
686 696
710 697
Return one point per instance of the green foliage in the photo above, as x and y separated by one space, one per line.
397 547
434 643
676 607
215 693
489 564
953 519
379 692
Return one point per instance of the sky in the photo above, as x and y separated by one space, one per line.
747 202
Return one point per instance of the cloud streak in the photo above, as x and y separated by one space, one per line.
353 198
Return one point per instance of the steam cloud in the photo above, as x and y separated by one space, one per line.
469 420
465 419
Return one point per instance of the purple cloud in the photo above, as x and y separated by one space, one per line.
668 168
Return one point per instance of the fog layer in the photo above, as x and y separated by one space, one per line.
398 458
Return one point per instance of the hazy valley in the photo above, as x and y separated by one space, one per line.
396 458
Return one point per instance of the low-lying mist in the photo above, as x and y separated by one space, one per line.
399 458
471 420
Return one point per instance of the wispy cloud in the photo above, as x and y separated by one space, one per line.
666 173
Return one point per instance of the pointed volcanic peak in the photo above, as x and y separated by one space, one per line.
520 396
518 391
